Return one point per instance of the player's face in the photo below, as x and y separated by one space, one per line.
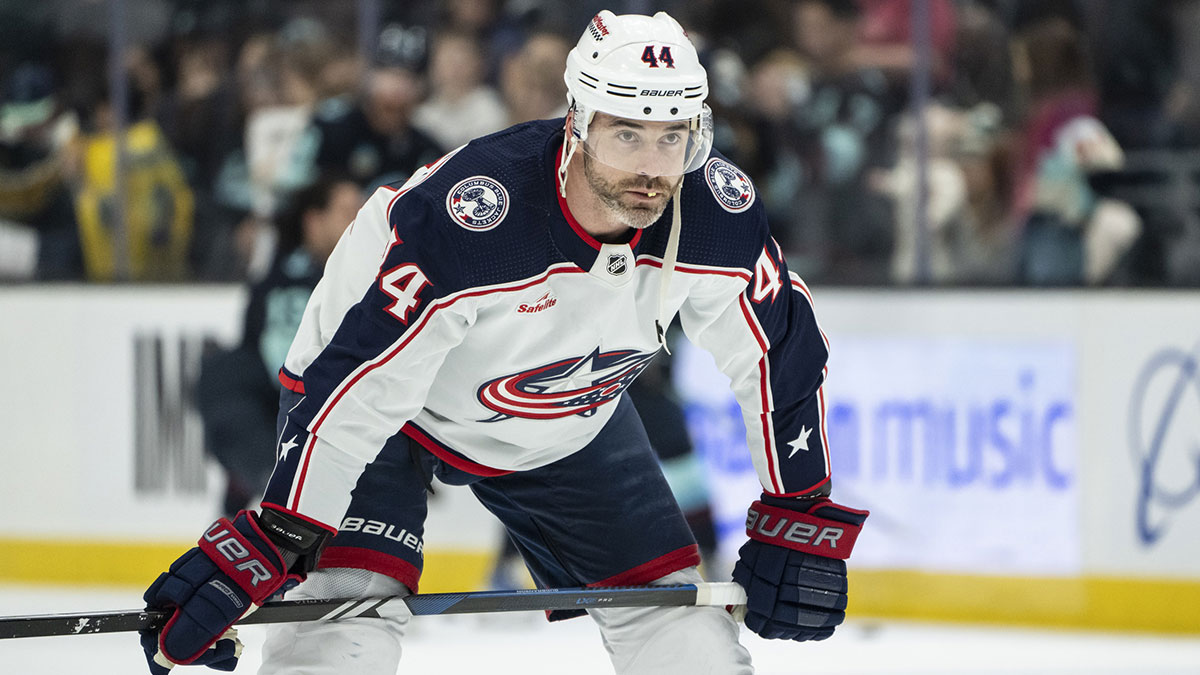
635 167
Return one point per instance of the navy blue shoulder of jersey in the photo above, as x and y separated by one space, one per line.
724 225
488 204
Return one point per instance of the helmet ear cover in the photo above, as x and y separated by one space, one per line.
579 118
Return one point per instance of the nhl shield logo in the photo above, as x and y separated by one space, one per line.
617 264
729 185
477 203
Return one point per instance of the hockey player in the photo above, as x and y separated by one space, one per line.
480 323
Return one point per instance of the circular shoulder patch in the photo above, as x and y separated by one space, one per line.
729 185
478 203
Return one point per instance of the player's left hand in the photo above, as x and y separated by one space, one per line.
793 568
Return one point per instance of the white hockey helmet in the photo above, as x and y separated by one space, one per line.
639 68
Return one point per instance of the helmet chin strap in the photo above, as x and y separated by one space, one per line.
568 151
669 257
575 134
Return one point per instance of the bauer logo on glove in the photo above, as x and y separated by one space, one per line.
222 539
801 531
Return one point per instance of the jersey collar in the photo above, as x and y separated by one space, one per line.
580 247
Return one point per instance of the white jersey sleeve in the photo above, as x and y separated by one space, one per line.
766 339
369 346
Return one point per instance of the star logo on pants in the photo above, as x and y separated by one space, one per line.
801 442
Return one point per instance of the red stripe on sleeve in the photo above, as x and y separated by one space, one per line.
824 436
308 450
290 383
763 391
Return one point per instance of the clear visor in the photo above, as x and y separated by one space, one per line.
644 148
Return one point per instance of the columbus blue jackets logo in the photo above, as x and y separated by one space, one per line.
478 203
574 386
729 185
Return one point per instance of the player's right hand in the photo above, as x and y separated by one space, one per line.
234 568
794 568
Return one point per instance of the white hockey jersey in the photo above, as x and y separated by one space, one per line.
468 310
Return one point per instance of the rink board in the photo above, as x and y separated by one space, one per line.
1082 602
1028 457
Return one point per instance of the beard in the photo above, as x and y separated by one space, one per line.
612 195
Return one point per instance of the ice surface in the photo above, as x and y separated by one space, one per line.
523 643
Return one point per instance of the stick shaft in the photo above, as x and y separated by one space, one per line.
288 611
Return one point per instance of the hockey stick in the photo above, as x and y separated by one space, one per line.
287 611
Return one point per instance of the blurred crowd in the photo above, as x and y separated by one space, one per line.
1058 145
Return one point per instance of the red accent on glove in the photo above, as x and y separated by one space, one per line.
243 561
802 531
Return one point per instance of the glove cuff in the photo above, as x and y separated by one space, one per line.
300 542
800 531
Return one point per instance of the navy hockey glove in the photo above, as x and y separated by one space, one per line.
235 567
793 568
